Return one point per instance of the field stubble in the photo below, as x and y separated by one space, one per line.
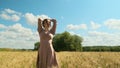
26 59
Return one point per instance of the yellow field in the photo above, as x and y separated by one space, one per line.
65 59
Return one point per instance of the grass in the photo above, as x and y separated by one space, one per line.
25 59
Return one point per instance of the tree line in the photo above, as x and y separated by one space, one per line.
102 48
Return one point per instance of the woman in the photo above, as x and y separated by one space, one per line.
46 54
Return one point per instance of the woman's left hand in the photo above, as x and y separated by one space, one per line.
53 20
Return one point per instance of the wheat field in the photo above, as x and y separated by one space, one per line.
25 59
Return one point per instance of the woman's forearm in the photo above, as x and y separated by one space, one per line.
39 25
54 26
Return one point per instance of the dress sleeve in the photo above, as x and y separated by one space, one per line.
53 29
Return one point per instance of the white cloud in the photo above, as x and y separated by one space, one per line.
8 14
76 27
10 11
15 17
43 17
5 16
95 33
101 38
32 19
2 26
17 36
73 33
113 23
93 38
95 25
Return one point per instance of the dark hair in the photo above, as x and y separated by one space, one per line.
45 21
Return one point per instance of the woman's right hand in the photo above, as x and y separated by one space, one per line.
39 20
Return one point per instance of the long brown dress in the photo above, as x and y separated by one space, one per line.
46 55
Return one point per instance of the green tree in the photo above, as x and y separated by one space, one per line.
36 45
77 40
67 42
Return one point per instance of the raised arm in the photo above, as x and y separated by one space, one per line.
39 25
53 29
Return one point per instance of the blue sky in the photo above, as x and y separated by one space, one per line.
97 21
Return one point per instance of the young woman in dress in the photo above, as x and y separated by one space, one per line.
46 53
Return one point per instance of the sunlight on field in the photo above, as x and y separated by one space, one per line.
65 59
